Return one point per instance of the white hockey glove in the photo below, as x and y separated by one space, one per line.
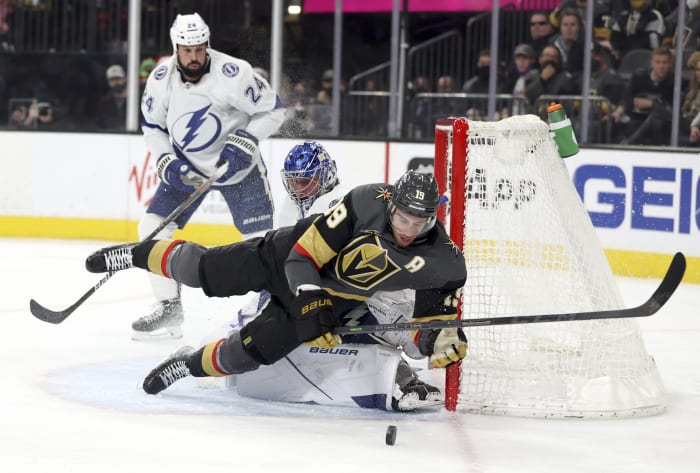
239 150
177 173
444 346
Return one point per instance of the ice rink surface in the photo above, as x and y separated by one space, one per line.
69 400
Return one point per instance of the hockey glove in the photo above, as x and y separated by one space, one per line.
314 319
177 173
239 150
444 346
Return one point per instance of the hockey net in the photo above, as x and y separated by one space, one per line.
531 248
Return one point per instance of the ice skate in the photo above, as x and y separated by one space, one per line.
164 322
416 395
110 259
172 369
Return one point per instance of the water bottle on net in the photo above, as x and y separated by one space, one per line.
561 130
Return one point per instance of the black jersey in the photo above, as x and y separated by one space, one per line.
351 253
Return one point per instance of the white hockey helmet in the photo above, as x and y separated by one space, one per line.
189 30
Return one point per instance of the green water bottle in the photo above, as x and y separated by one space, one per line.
561 130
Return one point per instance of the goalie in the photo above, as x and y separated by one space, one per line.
378 238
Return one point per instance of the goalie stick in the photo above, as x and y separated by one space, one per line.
668 285
56 317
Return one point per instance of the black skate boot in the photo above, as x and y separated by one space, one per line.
411 393
172 369
110 259
416 395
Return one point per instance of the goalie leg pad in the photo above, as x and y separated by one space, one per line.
349 375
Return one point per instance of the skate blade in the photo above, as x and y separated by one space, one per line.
207 383
166 333
411 403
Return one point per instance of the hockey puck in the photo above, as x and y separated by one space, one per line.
391 435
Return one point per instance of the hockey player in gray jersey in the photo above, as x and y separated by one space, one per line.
377 238
202 108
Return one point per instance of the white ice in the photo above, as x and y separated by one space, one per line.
69 400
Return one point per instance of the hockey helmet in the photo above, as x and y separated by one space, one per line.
416 194
189 30
308 172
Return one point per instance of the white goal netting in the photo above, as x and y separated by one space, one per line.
530 248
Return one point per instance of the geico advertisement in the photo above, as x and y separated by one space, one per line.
641 201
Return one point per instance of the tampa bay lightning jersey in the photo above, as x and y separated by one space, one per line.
193 119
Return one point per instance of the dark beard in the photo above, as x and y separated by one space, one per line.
191 74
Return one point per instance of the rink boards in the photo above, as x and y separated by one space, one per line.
644 204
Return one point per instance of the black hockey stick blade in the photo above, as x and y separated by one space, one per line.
56 317
673 277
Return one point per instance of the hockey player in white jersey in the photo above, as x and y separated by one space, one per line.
202 108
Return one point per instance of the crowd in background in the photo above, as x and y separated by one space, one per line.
632 80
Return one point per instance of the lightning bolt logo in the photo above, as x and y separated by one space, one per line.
193 125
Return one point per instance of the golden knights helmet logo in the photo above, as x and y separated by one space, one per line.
363 263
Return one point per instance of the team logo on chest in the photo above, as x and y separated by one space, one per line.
197 130
364 263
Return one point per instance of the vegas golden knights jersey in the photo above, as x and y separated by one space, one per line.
350 252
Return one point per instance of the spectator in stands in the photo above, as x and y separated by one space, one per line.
31 116
569 41
446 106
690 35
541 31
147 65
446 84
603 14
476 107
605 82
297 122
111 110
647 101
523 62
419 108
550 79
479 83
325 94
689 130
320 111
639 27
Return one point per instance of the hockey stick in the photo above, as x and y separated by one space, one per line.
668 285
56 317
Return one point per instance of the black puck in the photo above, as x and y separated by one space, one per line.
391 435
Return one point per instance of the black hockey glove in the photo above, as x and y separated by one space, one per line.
314 318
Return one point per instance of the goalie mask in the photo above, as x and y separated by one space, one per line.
308 172
189 30
417 195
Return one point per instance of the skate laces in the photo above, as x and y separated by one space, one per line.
173 372
160 311
118 259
